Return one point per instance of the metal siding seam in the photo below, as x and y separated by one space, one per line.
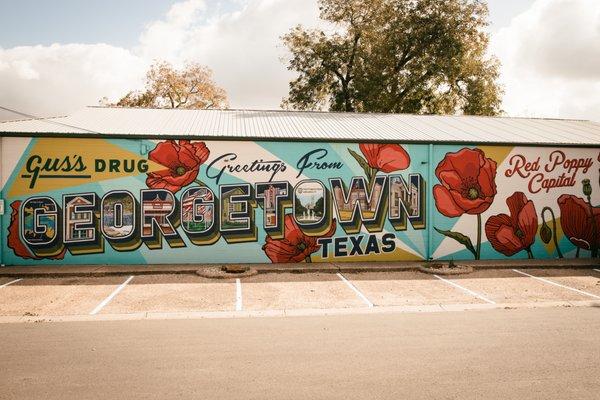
429 202
514 125
423 135
414 124
572 126
539 125
470 126
496 130
463 128
435 125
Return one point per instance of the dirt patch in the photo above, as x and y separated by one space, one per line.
445 269
226 272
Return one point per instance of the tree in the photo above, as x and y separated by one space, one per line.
395 56
166 87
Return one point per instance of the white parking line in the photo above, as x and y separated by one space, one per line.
110 297
464 289
238 295
358 292
557 284
11 282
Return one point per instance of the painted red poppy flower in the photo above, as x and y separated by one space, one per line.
385 157
512 234
14 240
295 245
182 161
576 221
468 184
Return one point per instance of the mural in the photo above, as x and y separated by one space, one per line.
90 201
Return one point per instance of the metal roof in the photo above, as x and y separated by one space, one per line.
293 125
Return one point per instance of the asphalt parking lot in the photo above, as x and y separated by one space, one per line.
280 294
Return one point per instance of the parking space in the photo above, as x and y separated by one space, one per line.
508 286
408 288
580 279
173 293
283 292
293 291
71 296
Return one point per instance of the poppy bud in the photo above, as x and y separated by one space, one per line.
587 187
545 233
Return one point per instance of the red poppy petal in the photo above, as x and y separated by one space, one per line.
282 248
466 162
445 203
165 153
292 231
487 178
500 234
476 206
193 154
515 204
392 157
187 158
201 151
511 242
575 220
450 179
371 152
157 182
485 204
528 223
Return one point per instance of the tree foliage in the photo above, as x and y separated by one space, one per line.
396 56
167 87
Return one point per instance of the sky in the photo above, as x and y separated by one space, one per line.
58 56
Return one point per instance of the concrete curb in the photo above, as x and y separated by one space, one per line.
61 271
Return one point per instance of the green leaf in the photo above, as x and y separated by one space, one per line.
460 238
363 163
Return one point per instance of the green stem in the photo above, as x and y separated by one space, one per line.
478 250
577 253
199 182
554 235
308 259
593 245
529 253
371 177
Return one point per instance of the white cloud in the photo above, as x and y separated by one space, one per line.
58 79
164 39
551 60
245 51
242 47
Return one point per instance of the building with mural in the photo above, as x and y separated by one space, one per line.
139 186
